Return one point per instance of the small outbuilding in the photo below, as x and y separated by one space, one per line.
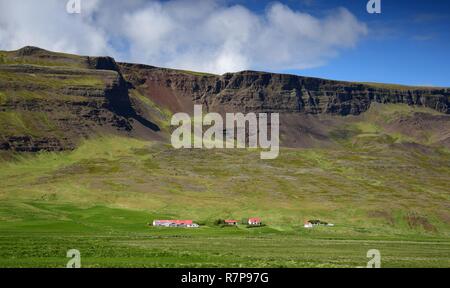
254 221
231 222
314 223
173 223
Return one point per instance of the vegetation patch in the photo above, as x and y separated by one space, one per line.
3 98
415 220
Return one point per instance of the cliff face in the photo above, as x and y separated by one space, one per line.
52 101
258 91
54 105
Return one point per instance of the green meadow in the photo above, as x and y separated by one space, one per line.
111 237
100 198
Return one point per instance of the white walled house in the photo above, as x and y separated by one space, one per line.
174 223
254 221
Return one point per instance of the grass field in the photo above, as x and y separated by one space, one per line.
99 198
109 237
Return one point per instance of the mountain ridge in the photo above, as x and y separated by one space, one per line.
271 92
93 95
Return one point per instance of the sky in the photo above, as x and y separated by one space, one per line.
407 43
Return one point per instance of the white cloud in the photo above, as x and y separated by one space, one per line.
195 34
46 24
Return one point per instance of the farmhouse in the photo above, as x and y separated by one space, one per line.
314 223
231 222
254 221
175 223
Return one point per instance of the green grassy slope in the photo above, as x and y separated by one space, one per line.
41 57
384 183
24 111
51 101
99 198
341 186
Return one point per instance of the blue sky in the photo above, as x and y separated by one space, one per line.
407 43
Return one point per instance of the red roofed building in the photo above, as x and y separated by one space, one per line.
254 221
168 223
231 222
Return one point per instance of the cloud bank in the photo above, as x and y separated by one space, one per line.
208 36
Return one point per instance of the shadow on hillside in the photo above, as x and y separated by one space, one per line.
146 123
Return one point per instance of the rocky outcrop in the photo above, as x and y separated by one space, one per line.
102 63
30 51
258 91
35 144
51 101
53 108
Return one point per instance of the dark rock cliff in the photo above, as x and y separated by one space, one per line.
53 108
258 91
51 101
